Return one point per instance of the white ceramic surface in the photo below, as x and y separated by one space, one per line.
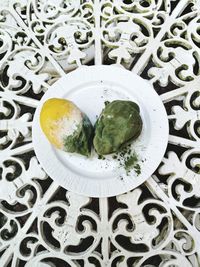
89 88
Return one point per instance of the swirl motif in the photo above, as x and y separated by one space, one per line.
157 224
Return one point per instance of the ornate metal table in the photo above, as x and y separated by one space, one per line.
158 223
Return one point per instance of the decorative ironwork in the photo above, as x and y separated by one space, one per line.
157 224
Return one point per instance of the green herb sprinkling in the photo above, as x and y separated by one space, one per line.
106 103
101 157
130 162
126 159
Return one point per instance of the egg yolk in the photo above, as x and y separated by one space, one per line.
52 111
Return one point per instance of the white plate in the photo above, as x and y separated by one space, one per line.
89 88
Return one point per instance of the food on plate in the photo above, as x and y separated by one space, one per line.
119 123
66 126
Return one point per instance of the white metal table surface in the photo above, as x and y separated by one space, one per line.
42 224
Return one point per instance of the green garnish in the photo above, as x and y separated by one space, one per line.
130 162
81 140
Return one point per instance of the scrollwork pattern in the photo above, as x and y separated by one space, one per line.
41 17
124 34
69 38
156 224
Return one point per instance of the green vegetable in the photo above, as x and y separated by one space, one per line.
119 123
81 140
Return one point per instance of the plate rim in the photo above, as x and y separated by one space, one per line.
95 73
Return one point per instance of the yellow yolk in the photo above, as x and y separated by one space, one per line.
58 118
